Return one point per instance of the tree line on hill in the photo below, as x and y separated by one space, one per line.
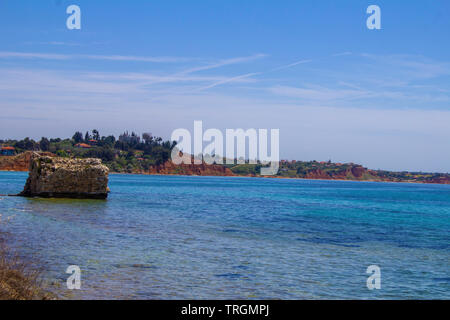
130 152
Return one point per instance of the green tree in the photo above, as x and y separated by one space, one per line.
44 144
147 137
27 144
95 135
108 141
77 137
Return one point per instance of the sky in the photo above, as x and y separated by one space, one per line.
335 89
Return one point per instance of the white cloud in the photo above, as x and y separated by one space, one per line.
319 93
410 66
225 62
229 80
292 64
48 56
31 55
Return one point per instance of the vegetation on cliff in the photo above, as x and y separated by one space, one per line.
129 153
341 171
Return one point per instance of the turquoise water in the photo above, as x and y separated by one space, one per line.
176 237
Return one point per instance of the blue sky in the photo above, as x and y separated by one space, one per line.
335 89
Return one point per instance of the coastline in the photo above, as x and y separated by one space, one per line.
274 177
19 280
309 170
253 176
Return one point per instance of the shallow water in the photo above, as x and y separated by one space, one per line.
176 237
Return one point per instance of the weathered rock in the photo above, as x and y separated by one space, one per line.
54 177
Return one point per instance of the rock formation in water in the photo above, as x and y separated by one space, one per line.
54 177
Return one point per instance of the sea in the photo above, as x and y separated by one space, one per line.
190 237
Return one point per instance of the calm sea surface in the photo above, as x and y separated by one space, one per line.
176 237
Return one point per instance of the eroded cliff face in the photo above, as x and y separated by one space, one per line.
352 173
20 162
54 177
191 169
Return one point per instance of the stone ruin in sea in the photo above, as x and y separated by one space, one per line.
55 177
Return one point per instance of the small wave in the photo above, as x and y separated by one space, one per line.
136 266
229 275
328 241
441 279
230 230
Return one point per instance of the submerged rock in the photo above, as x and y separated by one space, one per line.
54 177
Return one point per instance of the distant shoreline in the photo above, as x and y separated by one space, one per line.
259 177
274 177
300 170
